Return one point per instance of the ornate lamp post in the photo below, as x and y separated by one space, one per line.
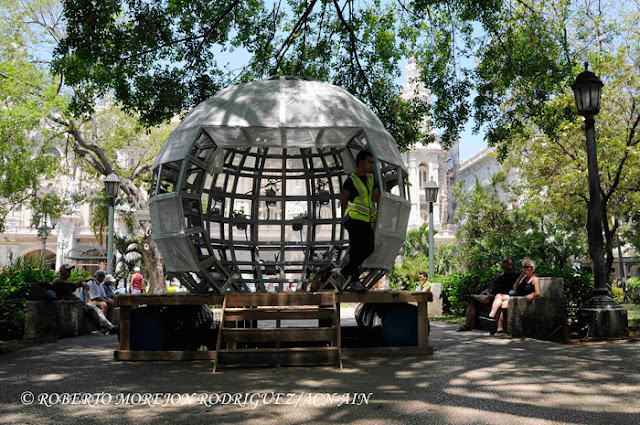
431 195
602 314
111 187
44 229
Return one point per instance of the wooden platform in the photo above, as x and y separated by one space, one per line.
273 306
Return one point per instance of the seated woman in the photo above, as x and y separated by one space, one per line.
527 285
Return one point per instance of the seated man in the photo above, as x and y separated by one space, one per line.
502 284
424 282
98 296
64 290
109 282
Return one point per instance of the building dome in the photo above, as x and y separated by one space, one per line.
247 188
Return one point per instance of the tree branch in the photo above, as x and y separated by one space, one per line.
203 36
352 39
100 161
134 175
287 43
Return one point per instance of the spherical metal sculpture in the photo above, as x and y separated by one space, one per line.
247 188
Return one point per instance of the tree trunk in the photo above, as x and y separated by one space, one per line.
609 235
150 253
153 261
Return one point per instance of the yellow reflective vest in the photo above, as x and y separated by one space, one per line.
361 208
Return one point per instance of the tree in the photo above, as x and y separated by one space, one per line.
159 59
98 139
28 92
527 55
489 231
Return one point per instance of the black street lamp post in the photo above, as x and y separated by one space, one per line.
431 195
601 314
111 187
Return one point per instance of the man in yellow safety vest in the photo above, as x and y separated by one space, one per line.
359 193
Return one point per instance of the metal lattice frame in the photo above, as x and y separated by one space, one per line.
259 217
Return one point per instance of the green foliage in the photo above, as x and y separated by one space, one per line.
490 231
407 276
445 259
160 59
416 242
130 250
15 282
617 294
454 286
633 289
77 274
28 93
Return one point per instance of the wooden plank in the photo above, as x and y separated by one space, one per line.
219 341
125 327
423 325
278 350
275 314
336 324
131 355
216 299
169 299
384 297
279 357
279 299
277 334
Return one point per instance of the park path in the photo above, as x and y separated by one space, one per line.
471 378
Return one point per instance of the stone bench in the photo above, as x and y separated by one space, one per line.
48 320
435 306
543 318
55 319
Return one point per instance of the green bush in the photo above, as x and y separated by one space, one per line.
578 285
633 289
15 283
456 285
617 294
407 276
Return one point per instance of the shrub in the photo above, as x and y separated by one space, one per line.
578 285
15 283
456 285
617 294
633 289
407 276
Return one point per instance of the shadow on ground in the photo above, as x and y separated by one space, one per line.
471 379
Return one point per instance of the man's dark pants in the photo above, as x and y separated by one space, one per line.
476 304
361 245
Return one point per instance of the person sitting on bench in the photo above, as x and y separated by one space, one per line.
98 296
502 284
527 285
64 289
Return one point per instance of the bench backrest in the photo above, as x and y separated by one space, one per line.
552 287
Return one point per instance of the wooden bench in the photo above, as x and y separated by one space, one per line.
126 302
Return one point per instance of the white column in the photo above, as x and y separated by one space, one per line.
414 190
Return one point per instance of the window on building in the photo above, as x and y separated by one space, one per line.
424 175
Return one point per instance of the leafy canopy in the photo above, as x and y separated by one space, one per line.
161 58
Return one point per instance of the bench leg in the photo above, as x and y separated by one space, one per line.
125 327
423 329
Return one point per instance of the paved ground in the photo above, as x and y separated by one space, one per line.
472 378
